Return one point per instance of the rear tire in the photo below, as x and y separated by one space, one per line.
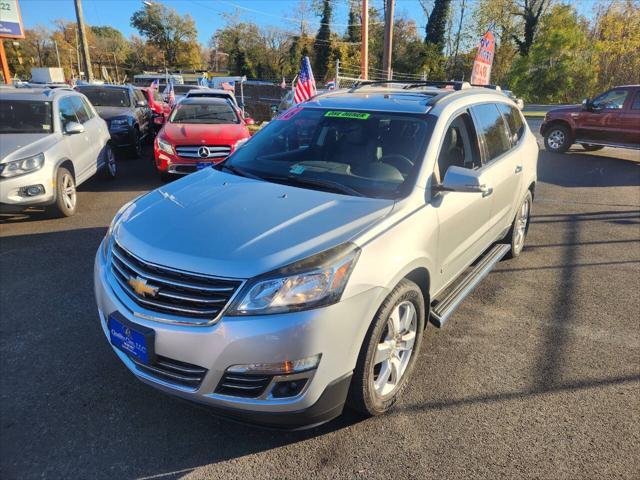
557 139
66 197
389 351
520 227
592 148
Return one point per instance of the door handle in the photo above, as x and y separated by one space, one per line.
518 169
486 191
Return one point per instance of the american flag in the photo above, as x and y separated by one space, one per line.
171 96
230 86
306 84
155 84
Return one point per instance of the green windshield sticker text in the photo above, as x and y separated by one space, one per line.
354 115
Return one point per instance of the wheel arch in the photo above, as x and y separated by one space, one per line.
68 164
558 122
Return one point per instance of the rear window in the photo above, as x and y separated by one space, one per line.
182 89
25 116
106 97
514 120
370 154
491 126
210 113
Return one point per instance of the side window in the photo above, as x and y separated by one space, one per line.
80 110
460 146
636 102
492 129
138 96
67 111
514 121
611 100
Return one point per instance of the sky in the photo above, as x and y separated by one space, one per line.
208 14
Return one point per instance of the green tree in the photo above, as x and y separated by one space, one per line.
322 43
437 25
560 65
530 11
616 38
166 29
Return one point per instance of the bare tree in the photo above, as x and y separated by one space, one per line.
530 11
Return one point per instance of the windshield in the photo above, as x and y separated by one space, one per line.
356 153
107 97
204 113
25 116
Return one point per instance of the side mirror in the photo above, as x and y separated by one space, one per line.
458 179
586 104
520 103
141 103
72 128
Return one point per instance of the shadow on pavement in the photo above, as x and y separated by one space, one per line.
70 408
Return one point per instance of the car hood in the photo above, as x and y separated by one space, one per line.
223 225
14 146
563 110
198 134
111 112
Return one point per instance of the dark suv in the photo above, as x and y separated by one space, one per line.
612 119
126 111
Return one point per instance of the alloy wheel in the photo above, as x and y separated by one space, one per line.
522 220
68 192
556 139
394 349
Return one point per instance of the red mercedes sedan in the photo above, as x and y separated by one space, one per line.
200 132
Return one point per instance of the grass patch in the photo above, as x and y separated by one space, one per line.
534 114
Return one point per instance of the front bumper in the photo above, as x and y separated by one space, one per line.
122 137
336 332
12 196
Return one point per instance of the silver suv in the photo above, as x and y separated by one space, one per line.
51 140
299 274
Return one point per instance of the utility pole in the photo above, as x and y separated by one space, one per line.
455 56
115 61
364 51
388 39
83 41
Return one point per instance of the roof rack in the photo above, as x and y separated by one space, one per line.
409 84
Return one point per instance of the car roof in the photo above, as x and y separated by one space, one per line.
206 91
42 94
97 86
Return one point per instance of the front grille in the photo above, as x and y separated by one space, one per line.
171 291
193 151
173 371
243 384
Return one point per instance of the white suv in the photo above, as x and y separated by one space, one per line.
300 274
51 140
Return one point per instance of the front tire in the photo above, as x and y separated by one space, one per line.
520 227
389 351
557 139
136 148
66 197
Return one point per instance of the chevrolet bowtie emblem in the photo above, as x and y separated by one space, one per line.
142 288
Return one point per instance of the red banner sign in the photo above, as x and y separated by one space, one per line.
484 59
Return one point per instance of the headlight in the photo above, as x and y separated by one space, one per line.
310 283
24 165
165 146
119 122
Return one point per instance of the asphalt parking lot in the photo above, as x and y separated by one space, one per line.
536 375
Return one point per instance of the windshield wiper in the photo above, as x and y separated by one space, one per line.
240 172
314 182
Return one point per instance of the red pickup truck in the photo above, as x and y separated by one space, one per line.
612 119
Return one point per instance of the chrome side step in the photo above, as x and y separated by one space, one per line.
442 309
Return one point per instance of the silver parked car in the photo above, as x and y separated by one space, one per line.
300 274
51 140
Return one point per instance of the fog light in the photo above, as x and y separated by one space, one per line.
290 388
288 366
31 191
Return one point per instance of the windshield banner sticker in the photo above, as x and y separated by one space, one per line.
354 115
297 169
